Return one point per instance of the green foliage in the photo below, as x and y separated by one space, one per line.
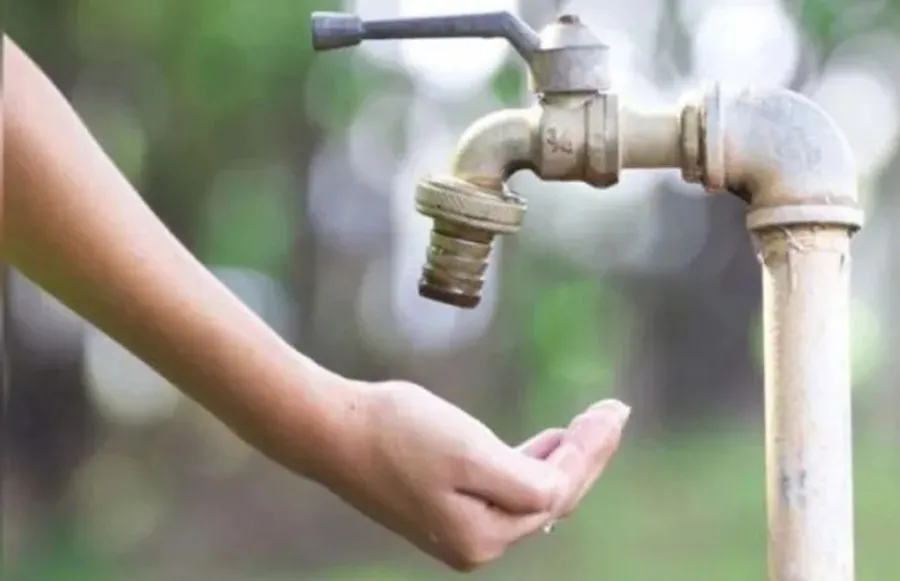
821 18
508 83
207 83
829 22
573 348
248 220
103 24
239 55
338 85
117 126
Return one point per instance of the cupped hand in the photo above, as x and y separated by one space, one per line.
425 469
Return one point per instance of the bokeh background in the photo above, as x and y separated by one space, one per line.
292 175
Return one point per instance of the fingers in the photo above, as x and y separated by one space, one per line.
484 534
586 448
523 480
516 528
511 494
510 480
543 444
514 484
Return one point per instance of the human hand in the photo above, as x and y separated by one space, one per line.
441 479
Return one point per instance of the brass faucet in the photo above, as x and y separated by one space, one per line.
773 148
570 134
579 131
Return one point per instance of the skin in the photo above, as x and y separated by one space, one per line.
409 460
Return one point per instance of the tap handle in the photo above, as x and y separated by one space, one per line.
332 30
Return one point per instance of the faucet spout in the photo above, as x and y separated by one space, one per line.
496 146
472 205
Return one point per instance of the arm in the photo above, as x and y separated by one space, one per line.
76 227
407 459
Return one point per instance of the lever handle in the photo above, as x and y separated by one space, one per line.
331 30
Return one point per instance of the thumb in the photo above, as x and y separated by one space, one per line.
543 444
512 481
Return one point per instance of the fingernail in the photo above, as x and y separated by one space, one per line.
617 410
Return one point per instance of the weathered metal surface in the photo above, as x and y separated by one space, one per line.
783 155
806 293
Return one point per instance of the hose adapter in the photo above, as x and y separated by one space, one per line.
466 220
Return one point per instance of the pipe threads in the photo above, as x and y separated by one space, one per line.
466 219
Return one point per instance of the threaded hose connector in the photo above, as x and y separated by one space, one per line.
466 219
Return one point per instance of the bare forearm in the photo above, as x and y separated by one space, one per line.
77 227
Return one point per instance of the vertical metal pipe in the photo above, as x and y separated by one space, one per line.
783 155
807 388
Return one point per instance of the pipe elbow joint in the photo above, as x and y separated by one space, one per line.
778 151
496 146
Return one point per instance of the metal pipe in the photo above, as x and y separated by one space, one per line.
783 155
650 139
807 386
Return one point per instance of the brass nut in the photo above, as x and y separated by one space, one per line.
461 202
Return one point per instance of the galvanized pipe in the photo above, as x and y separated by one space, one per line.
807 392
785 157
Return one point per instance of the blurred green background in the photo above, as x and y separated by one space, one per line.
292 176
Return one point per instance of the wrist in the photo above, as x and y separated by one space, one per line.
331 429
289 408
309 419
